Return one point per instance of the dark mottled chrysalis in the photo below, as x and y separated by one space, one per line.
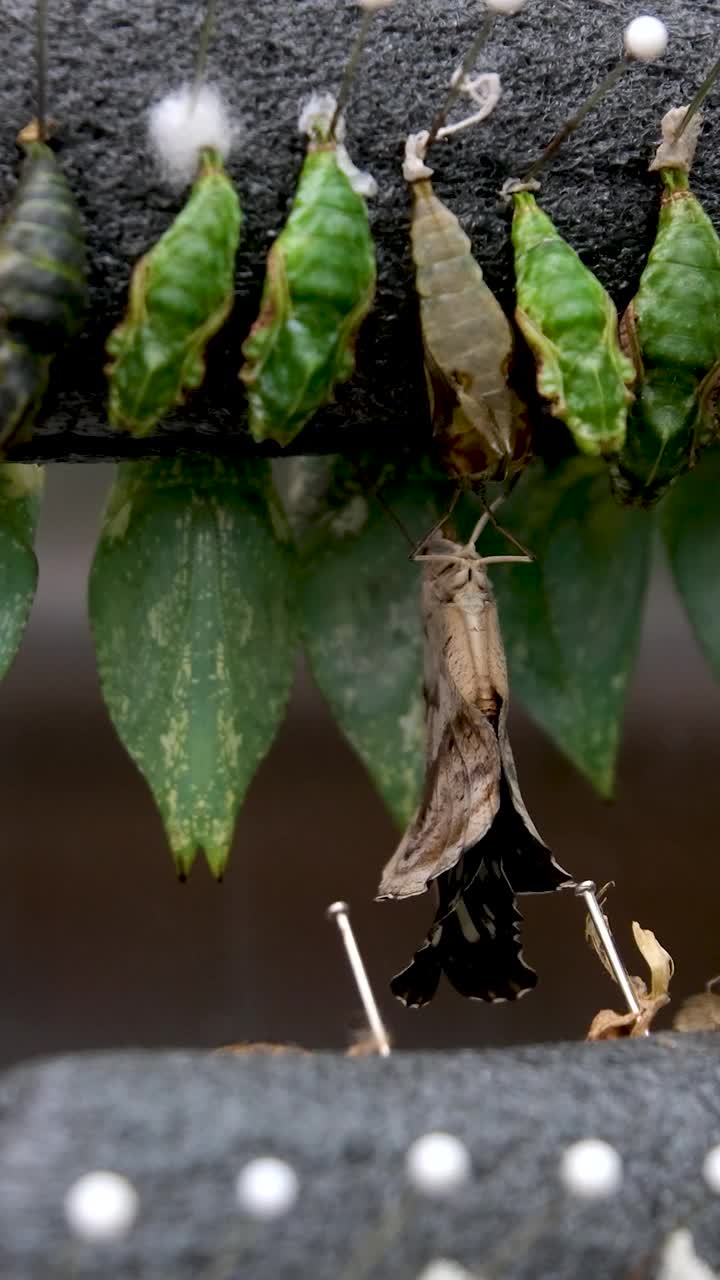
671 330
318 289
43 287
182 290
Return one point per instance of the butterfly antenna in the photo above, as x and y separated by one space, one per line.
699 98
374 492
490 509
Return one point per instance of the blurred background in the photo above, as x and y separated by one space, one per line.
100 946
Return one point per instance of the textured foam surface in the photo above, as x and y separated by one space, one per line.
181 1125
111 58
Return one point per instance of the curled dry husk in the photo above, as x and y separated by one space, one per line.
609 1025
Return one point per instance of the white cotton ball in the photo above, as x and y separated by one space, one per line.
711 1169
373 5
591 1169
101 1207
181 125
645 38
444 1269
679 1261
437 1164
267 1188
504 6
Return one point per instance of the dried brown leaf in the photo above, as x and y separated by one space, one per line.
658 960
608 1025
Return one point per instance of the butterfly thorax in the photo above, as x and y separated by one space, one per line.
460 609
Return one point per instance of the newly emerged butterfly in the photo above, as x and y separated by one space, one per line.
472 839
182 291
467 338
319 287
43 284
671 329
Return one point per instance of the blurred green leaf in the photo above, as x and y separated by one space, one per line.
571 621
195 635
21 487
360 609
690 520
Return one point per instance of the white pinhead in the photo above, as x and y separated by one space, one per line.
267 1188
504 6
711 1169
645 38
445 1269
437 1164
101 1207
591 1169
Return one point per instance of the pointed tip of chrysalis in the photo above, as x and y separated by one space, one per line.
183 124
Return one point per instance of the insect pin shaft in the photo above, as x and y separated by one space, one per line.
351 68
339 912
41 63
202 53
699 98
458 80
587 890
576 120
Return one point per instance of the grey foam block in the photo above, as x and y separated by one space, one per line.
181 1125
111 58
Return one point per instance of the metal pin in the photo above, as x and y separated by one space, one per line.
587 889
340 913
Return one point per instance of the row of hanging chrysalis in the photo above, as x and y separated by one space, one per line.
296 352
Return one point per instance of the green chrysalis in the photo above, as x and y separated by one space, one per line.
181 293
318 289
672 331
43 286
570 323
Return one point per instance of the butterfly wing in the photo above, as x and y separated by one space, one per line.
474 939
461 791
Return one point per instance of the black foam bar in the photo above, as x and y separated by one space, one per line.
181 1126
109 60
